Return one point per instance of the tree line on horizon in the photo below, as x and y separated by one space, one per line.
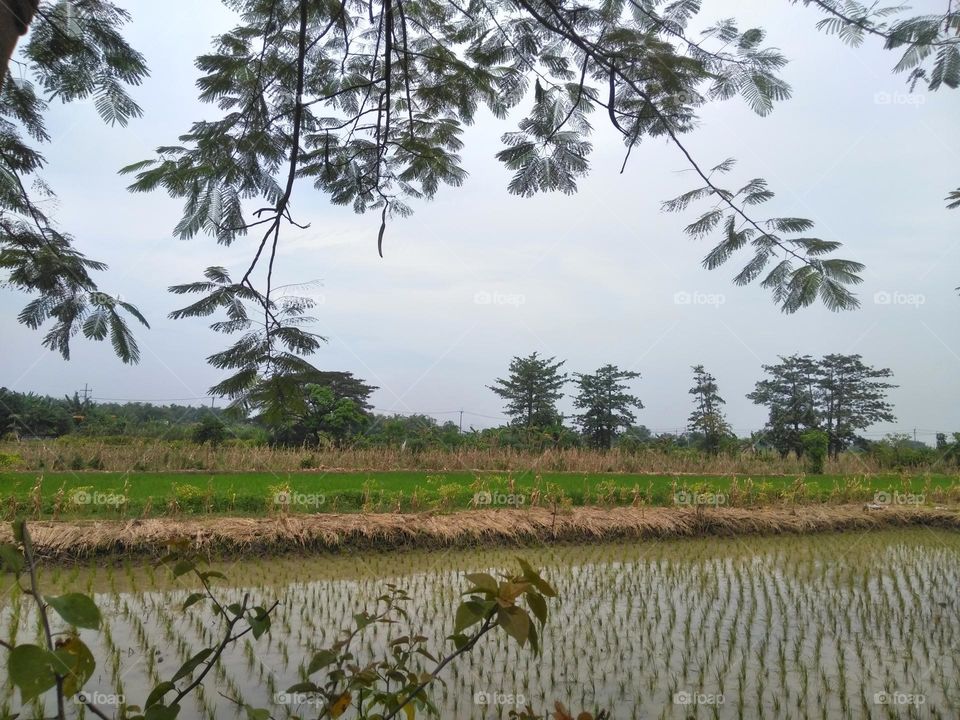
835 398
837 395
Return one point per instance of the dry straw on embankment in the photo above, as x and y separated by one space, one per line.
336 532
142 455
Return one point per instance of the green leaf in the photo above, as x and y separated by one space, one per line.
162 712
469 613
11 558
193 598
190 665
538 606
259 621
183 567
515 622
77 609
483 582
304 687
156 695
533 577
256 713
74 654
31 669
321 660
534 639
459 640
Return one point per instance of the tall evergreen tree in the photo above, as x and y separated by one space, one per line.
790 394
606 404
838 394
707 419
532 389
852 398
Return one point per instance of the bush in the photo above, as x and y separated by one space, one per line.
209 430
815 444
9 460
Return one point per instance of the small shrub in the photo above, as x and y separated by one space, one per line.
9 460
210 429
815 443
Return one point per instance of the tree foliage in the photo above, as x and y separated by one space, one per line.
605 404
707 419
852 398
368 103
532 389
335 412
267 361
837 394
75 52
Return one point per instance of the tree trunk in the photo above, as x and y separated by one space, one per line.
15 18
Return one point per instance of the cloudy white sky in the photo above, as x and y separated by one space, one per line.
592 278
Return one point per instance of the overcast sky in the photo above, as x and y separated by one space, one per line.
478 276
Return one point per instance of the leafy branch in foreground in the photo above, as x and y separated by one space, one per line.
929 45
74 51
379 687
368 102
66 663
382 688
799 277
269 371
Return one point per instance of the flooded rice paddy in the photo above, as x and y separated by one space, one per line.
854 625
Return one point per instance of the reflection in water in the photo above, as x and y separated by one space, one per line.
848 625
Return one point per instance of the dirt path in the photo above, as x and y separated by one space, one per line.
329 531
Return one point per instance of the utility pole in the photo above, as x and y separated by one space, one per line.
461 422
87 391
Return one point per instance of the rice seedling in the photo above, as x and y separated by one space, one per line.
841 625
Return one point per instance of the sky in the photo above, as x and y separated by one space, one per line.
477 275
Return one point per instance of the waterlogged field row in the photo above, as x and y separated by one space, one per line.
45 495
831 626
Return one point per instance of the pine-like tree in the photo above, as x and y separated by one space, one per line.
790 394
707 419
837 394
606 404
852 398
532 389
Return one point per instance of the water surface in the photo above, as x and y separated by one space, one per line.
822 626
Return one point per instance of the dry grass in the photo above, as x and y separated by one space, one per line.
163 456
479 527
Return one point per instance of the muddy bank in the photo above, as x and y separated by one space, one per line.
339 532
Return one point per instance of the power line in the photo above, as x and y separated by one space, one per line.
156 400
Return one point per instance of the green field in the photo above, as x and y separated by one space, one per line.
73 494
